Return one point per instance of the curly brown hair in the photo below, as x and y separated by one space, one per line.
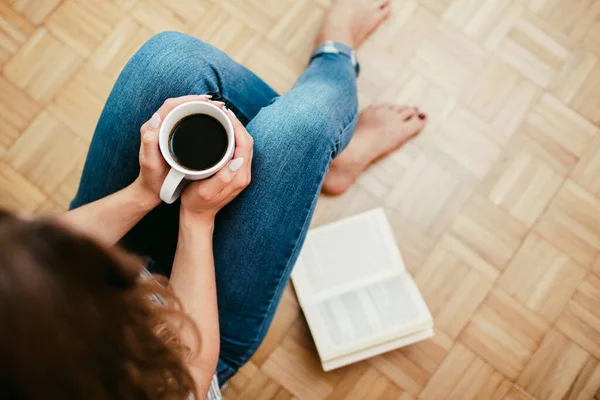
76 320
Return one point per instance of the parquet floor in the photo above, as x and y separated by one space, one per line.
496 206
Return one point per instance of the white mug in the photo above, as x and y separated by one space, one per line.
179 176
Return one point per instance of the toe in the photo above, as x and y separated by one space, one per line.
415 125
408 113
384 10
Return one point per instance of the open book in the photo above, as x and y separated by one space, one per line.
355 292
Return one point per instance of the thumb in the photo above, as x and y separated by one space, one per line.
154 122
150 137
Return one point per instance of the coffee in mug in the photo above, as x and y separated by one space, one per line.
197 140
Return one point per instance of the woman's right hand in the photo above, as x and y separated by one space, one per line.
205 198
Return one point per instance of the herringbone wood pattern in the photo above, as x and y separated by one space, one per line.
496 206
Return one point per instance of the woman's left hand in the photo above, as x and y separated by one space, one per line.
203 199
153 167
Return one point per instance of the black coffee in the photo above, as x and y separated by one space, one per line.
198 142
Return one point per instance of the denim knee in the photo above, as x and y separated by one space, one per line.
178 60
299 133
181 44
305 121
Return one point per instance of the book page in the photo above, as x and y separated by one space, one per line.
346 255
364 317
377 349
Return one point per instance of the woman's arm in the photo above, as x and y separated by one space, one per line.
193 281
193 274
110 218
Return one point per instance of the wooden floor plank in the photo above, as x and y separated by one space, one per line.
495 206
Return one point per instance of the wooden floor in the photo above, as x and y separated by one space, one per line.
496 206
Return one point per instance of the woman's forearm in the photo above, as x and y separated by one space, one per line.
111 217
193 281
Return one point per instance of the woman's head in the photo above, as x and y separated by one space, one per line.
76 321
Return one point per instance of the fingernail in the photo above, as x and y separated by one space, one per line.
230 113
422 116
236 164
205 96
154 121
219 103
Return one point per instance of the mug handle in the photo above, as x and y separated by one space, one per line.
172 186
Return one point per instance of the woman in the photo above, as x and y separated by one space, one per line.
81 322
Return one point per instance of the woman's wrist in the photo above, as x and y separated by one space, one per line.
189 220
147 198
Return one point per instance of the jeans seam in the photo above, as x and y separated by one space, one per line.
341 136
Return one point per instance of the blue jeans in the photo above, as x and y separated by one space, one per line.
257 236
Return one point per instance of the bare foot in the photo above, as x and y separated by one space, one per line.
351 21
380 130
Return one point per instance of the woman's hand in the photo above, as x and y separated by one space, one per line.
153 167
205 198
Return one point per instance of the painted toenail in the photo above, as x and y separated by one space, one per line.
422 116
